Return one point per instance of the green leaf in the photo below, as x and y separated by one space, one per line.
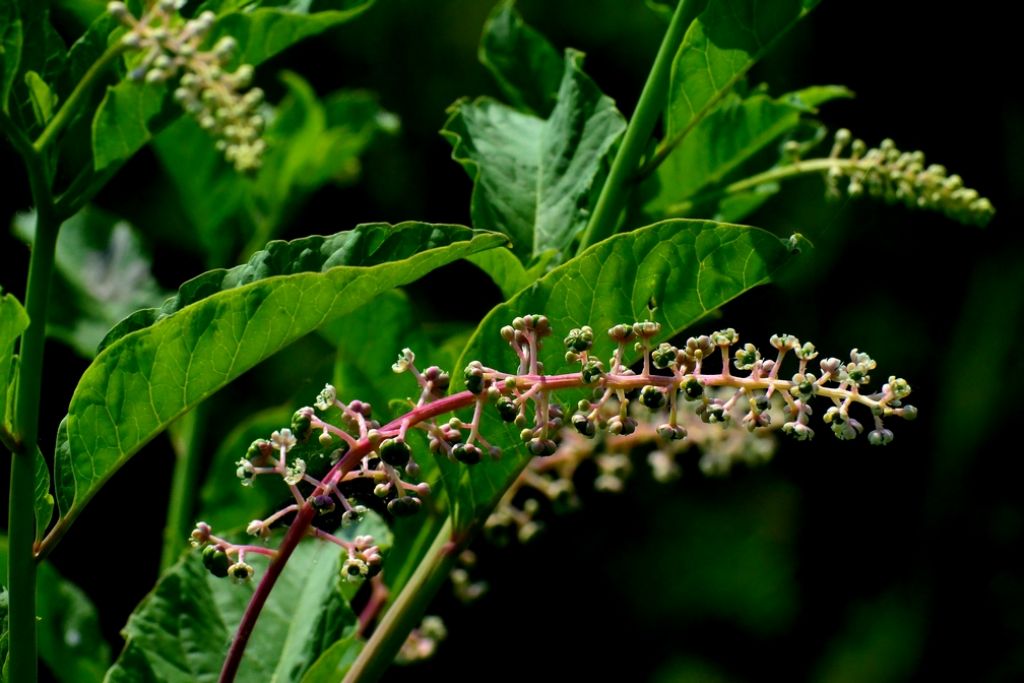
721 144
13 321
311 142
131 112
10 49
721 45
103 275
29 44
42 498
159 363
43 99
335 662
526 66
689 268
508 272
69 636
536 179
180 632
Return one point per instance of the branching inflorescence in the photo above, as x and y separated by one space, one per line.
219 100
673 390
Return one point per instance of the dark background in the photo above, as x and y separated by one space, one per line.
835 561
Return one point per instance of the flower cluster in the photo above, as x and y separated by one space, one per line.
897 176
672 399
732 418
219 100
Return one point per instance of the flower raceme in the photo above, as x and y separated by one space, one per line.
219 100
338 461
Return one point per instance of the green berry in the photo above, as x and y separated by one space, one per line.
507 408
693 389
216 561
301 424
467 453
652 397
395 452
404 506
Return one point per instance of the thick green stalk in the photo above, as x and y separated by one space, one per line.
21 524
184 435
71 105
407 610
634 143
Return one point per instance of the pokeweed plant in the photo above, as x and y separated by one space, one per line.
610 232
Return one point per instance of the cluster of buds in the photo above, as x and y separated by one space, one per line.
888 173
338 461
219 100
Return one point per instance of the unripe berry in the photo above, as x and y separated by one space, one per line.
507 408
395 452
652 397
216 561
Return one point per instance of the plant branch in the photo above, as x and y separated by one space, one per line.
21 524
634 143
71 106
786 172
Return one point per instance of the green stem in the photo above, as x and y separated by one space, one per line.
21 522
771 175
71 105
407 610
184 435
641 126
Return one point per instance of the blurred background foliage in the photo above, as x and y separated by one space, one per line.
835 561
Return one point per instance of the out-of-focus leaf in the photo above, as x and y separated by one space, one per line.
28 45
41 97
103 275
335 662
69 636
311 142
688 268
536 179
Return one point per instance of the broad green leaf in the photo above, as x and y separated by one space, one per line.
721 45
103 275
311 142
160 363
69 636
131 112
688 268
536 179
13 321
508 272
721 144
335 662
180 632
526 66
